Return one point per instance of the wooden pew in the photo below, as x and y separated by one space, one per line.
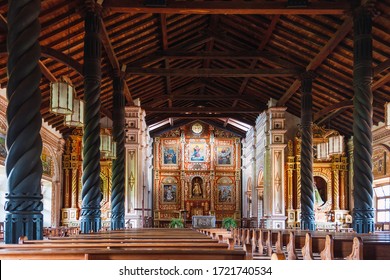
124 245
120 254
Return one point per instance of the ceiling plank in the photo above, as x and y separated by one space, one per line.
261 47
208 72
381 67
336 106
382 81
114 60
341 33
228 7
164 38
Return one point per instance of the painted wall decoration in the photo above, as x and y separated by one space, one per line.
46 164
3 150
224 155
225 194
197 152
169 193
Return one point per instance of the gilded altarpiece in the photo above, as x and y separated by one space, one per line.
329 183
197 173
72 182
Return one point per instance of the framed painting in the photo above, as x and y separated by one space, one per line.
225 194
225 155
197 152
169 155
169 193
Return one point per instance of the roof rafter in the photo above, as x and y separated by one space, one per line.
228 7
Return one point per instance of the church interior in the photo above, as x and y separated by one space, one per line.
118 116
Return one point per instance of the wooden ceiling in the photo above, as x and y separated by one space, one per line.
214 60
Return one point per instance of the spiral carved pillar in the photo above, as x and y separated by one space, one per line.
363 221
118 166
91 194
23 164
307 190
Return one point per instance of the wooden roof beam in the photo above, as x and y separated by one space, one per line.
208 72
261 47
204 110
114 60
229 7
164 38
341 33
382 81
336 106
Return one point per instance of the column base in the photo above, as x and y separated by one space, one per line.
17 225
308 221
90 220
363 220
117 221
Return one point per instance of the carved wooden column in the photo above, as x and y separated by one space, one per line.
290 184
307 196
363 221
343 170
118 166
66 171
91 194
336 182
23 164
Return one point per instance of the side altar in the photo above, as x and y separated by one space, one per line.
329 180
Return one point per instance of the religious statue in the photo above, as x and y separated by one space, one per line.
317 197
196 187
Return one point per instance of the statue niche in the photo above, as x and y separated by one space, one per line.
197 187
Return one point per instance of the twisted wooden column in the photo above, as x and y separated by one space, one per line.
362 125
118 166
91 194
307 190
24 143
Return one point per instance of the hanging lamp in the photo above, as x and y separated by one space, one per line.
336 144
61 96
76 119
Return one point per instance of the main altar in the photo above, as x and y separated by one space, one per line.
197 173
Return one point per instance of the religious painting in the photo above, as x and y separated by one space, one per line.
3 150
196 187
170 155
224 155
46 164
379 162
197 152
169 193
225 194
